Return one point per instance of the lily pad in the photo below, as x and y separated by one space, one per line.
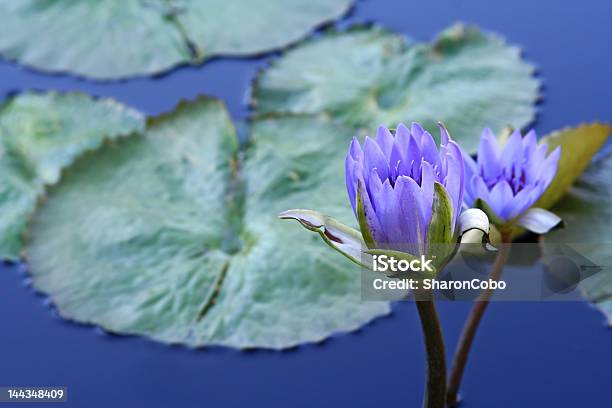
466 78
41 133
587 213
108 39
174 236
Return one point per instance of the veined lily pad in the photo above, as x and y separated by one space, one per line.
39 135
172 236
108 39
366 76
587 213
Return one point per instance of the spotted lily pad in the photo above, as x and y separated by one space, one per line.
587 213
39 135
366 76
173 235
108 39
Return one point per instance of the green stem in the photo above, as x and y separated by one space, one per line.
473 320
435 388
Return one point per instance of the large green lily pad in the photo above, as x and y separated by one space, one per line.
108 39
366 76
173 235
39 135
587 213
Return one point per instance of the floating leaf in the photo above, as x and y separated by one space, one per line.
108 39
578 146
39 135
465 78
587 212
171 236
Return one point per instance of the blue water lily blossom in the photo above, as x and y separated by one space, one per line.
407 196
509 181
392 178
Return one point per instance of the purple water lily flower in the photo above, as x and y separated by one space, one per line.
392 180
511 180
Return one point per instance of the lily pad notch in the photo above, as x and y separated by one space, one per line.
134 238
80 37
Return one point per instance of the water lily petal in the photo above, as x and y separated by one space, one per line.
512 155
413 224
355 150
521 202
530 142
534 163
444 136
409 148
549 167
395 161
374 191
385 141
370 227
539 220
479 189
471 169
429 150
500 194
374 158
488 155
389 217
350 170
402 137
416 130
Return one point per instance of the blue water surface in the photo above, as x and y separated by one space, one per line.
525 355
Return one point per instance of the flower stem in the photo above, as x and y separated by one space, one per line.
473 320
435 388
